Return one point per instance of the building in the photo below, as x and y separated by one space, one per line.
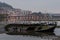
17 15
3 15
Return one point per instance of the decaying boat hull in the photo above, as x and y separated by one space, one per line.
23 28
47 30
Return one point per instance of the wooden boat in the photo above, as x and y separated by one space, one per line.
18 28
47 28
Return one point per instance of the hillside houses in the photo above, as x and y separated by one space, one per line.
9 14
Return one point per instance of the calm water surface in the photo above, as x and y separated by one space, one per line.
30 37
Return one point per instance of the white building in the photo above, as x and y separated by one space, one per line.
25 12
14 15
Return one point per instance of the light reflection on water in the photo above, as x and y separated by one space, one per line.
57 31
21 37
30 37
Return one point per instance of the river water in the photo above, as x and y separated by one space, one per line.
53 36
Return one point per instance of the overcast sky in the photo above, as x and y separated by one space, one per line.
52 6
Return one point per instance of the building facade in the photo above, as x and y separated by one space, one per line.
21 16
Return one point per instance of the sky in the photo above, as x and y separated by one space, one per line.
46 6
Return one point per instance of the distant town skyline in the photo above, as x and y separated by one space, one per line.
46 6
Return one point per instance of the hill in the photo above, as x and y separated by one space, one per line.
4 5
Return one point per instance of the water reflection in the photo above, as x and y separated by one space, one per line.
25 37
57 31
33 33
31 36
41 34
37 36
